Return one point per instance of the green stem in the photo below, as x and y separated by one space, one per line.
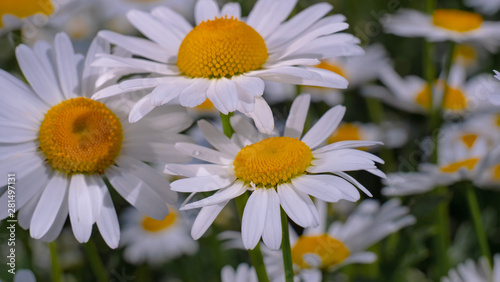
95 261
476 219
56 265
285 248
255 254
442 238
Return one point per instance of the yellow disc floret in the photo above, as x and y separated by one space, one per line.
454 167
456 20
80 135
272 161
221 48
25 8
152 225
330 250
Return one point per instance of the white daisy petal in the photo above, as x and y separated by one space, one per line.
41 80
297 117
346 145
205 10
194 94
91 74
195 170
58 224
252 85
231 10
166 92
204 154
80 208
170 17
276 13
137 193
48 206
355 182
140 109
25 214
220 196
16 132
242 126
271 235
262 116
205 218
107 221
324 187
226 89
202 183
137 65
217 139
324 127
66 66
296 206
254 217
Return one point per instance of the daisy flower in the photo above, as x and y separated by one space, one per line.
475 271
463 154
152 241
392 134
445 24
13 14
60 144
226 58
330 247
243 273
280 171
412 93
487 7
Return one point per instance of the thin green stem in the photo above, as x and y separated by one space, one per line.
255 254
56 265
442 238
285 247
476 220
95 261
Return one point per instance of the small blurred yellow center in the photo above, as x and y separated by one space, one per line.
454 99
221 48
272 161
465 52
80 135
497 120
454 167
332 67
330 250
153 225
469 140
496 172
456 20
25 8
345 132
205 106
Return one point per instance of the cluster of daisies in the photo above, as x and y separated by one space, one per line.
200 116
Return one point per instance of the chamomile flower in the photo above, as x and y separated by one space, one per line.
412 93
61 144
464 153
243 273
488 7
280 171
475 271
445 24
226 58
13 14
152 241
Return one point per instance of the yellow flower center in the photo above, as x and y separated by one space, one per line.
330 250
497 120
345 131
496 172
25 8
221 48
80 136
454 167
206 106
466 52
272 161
469 140
332 67
152 225
456 20
454 100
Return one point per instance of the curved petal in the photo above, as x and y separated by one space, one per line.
297 116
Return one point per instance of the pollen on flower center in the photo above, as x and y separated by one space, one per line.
272 161
330 250
221 48
25 8
80 135
153 225
456 20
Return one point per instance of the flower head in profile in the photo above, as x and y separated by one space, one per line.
281 171
445 24
14 13
152 241
227 58
61 144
